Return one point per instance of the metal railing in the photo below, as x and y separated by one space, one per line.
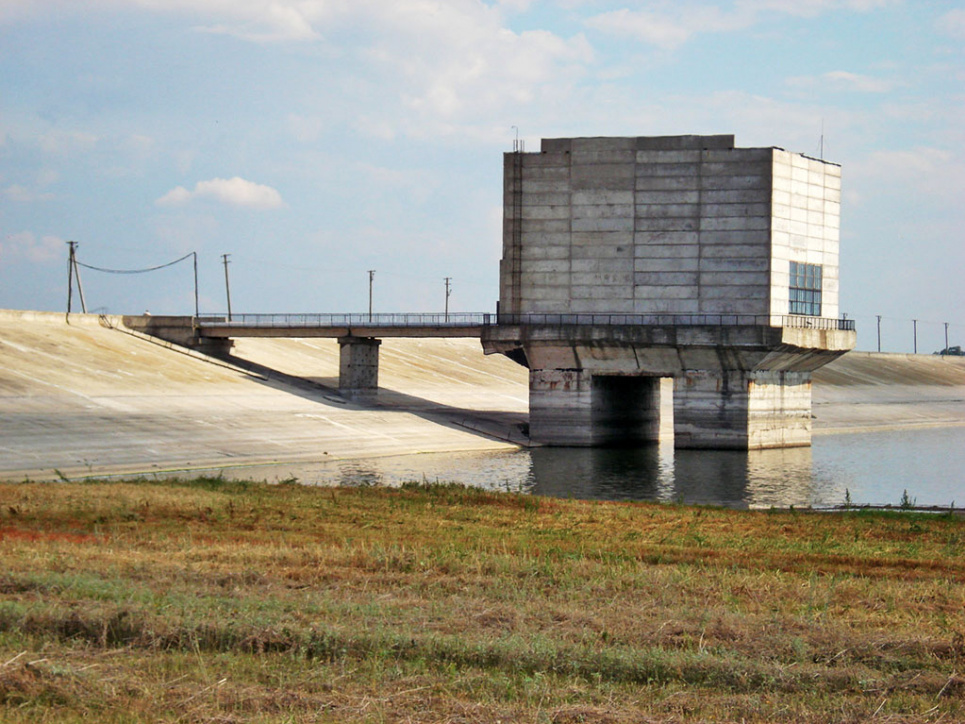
362 319
552 320
676 320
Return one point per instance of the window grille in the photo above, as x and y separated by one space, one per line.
805 289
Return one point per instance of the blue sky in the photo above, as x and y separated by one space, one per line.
313 140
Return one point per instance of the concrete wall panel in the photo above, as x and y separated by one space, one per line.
664 156
699 224
668 224
610 224
656 170
671 264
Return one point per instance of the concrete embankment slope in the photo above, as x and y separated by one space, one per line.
868 391
89 397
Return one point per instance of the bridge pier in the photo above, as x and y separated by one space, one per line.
740 386
358 367
712 408
741 410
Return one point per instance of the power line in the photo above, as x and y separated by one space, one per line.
136 271
75 264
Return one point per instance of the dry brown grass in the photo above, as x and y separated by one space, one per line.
206 601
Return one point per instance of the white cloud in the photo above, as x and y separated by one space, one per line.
272 23
453 62
233 192
138 145
669 25
842 80
447 60
22 194
255 20
417 183
65 142
305 129
924 172
26 245
952 24
809 8
672 26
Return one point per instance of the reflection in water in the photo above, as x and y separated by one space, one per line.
872 468
760 478
641 473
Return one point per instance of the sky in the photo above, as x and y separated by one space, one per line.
315 140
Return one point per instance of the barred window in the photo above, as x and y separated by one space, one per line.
805 291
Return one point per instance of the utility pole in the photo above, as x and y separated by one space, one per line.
227 287
74 270
371 278
946 336
70 273
879 332
449 291
915 322
197 312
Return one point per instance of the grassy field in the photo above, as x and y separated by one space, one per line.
210 601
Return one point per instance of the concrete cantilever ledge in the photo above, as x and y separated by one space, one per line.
742 387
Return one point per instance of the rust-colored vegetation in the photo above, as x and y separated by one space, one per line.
211 601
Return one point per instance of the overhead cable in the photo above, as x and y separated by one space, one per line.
137 271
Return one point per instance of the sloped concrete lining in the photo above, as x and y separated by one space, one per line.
869 391
91 397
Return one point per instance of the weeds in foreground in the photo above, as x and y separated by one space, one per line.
212 600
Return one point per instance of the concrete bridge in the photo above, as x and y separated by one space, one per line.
595 378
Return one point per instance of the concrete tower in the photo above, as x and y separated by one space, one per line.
626 260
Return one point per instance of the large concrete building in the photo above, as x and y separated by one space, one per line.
627 260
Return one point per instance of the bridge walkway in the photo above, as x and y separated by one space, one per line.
472 324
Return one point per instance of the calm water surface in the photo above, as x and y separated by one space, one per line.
873 468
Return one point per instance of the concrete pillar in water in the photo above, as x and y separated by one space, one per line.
742 410
571 407
358 368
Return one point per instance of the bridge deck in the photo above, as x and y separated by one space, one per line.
472 324
362 330
345 325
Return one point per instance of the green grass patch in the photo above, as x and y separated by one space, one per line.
212 600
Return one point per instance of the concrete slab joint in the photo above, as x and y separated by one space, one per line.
687 227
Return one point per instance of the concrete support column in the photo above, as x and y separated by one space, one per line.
733 409
214 346
779 409
560 407
574 408
358 367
